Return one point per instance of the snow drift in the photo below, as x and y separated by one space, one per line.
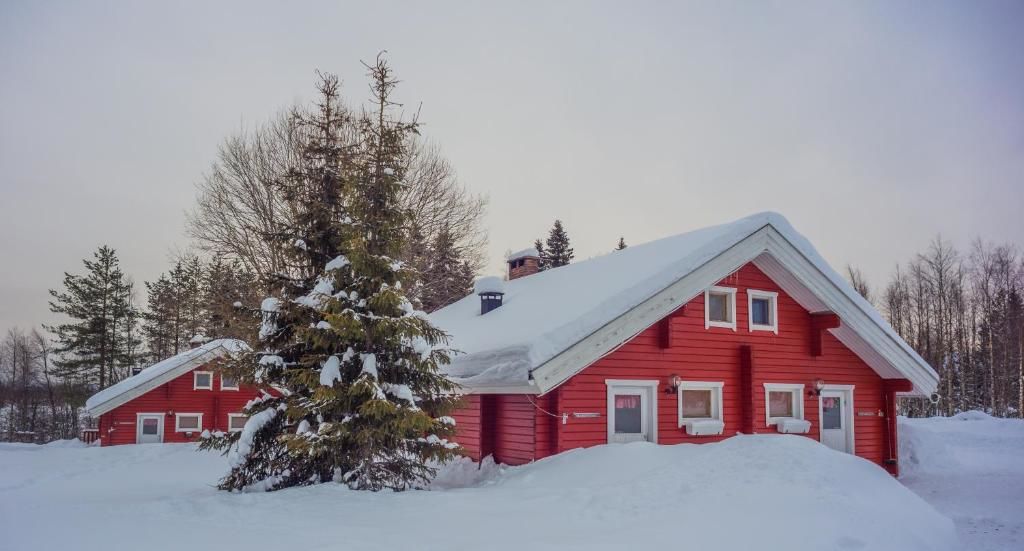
764 492
969 466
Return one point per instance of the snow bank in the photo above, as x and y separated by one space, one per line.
749 492
970 467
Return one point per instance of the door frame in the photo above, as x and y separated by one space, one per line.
848 414
138 425
650 386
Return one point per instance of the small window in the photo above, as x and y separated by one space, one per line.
202 380
150 426
228 383
700 400
720 307
783 401
236 422
764 310
188 422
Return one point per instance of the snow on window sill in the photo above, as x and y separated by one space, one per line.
793 426
703 427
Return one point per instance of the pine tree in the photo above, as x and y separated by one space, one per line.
158 322
557 251
621 245
365 398
446 278
541 260
96 347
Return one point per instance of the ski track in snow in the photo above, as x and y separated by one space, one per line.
748 492
971 468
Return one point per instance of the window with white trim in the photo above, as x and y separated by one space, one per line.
236 421
783 401
202 380
188 422
763 310
228 383
700 400
720 307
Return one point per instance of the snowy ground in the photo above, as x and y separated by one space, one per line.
749 492
971 468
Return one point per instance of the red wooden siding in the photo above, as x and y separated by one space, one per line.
118 426
683 346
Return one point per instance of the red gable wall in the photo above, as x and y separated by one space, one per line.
522 432
118 426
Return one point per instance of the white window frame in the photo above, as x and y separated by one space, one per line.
798 397
731 293
222 387
651 385
773 310
716 399
177 422
232 416
195 383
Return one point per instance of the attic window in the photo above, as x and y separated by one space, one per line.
764 310
720 307
228 383
202 380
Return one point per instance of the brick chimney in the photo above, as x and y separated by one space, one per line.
523 263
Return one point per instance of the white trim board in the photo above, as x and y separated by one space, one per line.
889 356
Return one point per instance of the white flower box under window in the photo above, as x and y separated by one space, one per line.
704 427
793 426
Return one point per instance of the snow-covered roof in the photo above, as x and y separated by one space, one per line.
529 251
552 313
160 373
489 284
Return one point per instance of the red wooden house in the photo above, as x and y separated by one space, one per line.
739 328
174 400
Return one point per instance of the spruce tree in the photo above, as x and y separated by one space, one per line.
621 245
364 399
446 278
541 262
96 347
557 251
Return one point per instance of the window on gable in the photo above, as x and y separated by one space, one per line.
202 380
228 383
783 401
720 307
188 422
764 308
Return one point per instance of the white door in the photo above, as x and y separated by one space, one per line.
150 429
629 414
835 408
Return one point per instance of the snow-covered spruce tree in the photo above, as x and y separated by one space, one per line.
360 396
541 261
557 251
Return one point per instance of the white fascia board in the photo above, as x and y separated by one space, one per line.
619 330
153 383
898 354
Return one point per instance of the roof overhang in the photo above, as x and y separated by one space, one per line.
862 329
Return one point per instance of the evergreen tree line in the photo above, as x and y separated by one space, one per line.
36 404
964 314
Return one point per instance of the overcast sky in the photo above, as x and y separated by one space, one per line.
872 127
